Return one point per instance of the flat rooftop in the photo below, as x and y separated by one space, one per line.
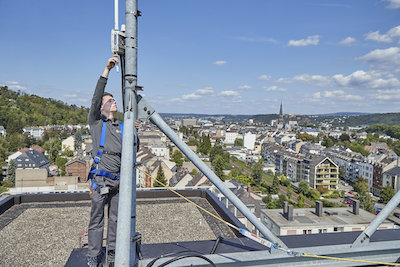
330 217
45 233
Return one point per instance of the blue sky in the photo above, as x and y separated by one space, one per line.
213 56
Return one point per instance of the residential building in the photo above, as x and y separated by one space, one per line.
311 148
160 149
35 132
180 179
79 168
392 177
309 131
311 221
249 140
230 137
189 122
321 171
68 144
31 159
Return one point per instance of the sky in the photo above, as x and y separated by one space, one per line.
212 56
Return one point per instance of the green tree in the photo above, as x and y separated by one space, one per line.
285 181
257 172
289 193
366 201
327 142
11 171
53 146
205 145
160 178
60 162
219 163
177 158
194 172
238 142
78 140
275 185
216 150
269 202
386 194
344 137
300 201
303 187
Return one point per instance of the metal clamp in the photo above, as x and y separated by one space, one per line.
136 13
136 238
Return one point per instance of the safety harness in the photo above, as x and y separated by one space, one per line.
93 169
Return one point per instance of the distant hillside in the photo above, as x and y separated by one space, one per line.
220 117
265 117
340 119
344 114
19 110
379 118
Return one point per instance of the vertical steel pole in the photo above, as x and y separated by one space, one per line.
126 246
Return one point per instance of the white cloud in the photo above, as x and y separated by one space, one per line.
270 100
220 62
192 96
387 58
386 94
311 40
339 94
307 79
176 100
388 37
348 41
228 93
15 86
274 88
257 39
71 96
263 77
357 80
205 90
393 3
365 79
244 87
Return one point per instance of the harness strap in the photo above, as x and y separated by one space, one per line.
105 174
94 171
103 134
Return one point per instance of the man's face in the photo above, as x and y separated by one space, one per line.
109 104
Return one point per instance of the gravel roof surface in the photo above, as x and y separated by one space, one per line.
44 234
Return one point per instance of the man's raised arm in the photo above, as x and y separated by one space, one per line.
94 112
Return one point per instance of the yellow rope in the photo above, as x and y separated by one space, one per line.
342 259
236 228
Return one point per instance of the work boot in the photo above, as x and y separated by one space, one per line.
111 257
95 261
91 261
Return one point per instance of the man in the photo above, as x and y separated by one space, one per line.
106 134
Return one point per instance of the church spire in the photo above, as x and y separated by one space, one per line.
281 110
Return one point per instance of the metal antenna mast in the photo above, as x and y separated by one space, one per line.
126 234
135 106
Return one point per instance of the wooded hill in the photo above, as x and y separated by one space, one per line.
340 120
19 110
